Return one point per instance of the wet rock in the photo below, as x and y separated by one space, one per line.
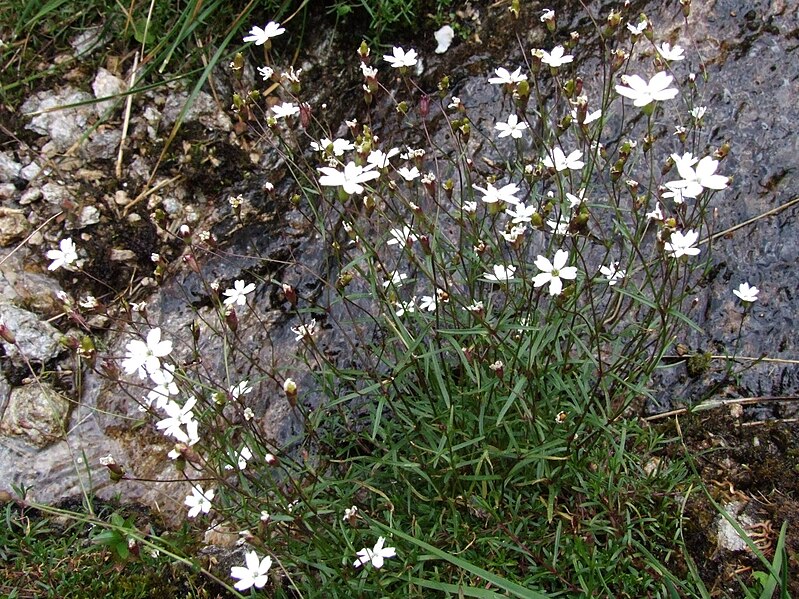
14 226
36 339
9 168
63 126
37 413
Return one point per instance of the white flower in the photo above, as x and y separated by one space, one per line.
261 36
337 146
350 180
400 58
178 416
698 112
368 72
402 236
637 29
513 127
547 15
350 512
396 279
514 234
553 272
444 37
408 307
238 294
376 554
164 379
505 77
243 388
682 244
643 93
428 302
669 53
521 213
559 226
199 501
613 273
66 255
476 306
254 574
656 214
409 174
304 331
694 180
379 158
469 207
244 456
562 162
501 273
286 109
144 357
575 200
590 117
556 58
507 193
746 293
674 192
266 73
291 76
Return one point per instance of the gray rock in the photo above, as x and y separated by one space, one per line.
7 191
727 537
204 109
29 196
36 339
106 84
103 145
87 41
9 168
37 413
64 126
31 171
55 194
14 226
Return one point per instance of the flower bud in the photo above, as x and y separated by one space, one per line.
231 320
290 389
424 106
6 333
290 293
191 262
305 114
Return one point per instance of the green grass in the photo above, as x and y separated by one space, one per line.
69 553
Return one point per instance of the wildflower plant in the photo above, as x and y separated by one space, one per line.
503 292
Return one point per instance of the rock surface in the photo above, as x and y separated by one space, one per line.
36 340
35 413
747 50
